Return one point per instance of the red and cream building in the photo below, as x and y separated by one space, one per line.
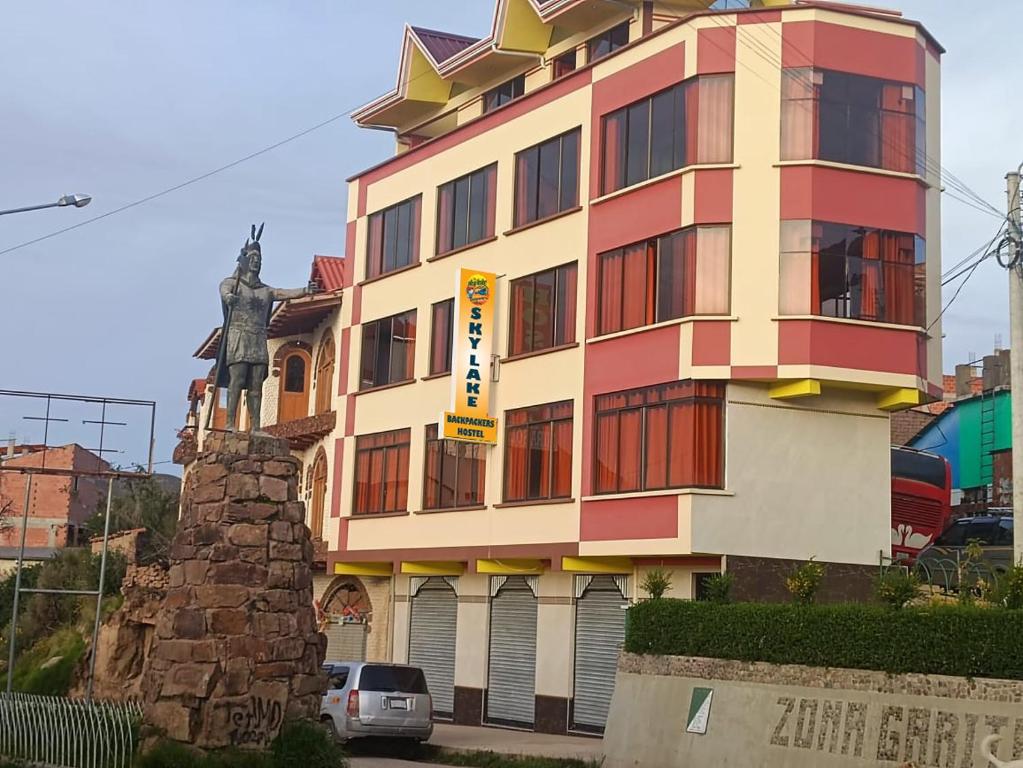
716 236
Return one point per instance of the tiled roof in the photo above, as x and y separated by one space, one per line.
196 389
443 45
329 271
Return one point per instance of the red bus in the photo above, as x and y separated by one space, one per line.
921 500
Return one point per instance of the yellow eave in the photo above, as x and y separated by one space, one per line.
422 82
596 564
523 30
363 569
432 568
516 567
899 399
795 389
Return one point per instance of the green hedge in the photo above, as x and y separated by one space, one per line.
945 640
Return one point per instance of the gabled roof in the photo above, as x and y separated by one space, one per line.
442 45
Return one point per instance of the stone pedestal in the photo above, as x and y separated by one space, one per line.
236 652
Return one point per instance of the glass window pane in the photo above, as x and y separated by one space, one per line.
656 448
477 206
403 246
569 193
662 133
614 151
550 173
460 230
527 170
544 291
294 374
630 448
671 276
713 256
369 355
638 153
390 238
607 453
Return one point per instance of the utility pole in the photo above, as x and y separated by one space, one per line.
1016 359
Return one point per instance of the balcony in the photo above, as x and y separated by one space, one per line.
303 433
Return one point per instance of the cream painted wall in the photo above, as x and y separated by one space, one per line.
400 620
555 630
772 448
472 639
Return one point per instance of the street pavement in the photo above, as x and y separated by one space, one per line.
385 762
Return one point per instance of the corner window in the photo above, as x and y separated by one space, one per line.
454 472
687 124
861 273
854 119
440 337
677 275
547 178
543 310
538 452
607 42
393 240
388 350
502 94
466 209
669 436
381 473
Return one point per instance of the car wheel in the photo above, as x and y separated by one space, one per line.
328 723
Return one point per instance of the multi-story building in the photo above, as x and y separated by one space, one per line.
715 235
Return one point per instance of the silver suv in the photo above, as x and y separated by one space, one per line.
368 699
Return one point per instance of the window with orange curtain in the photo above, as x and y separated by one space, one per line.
381 473
325 374
854 119
547 178
538 452
319 494
388 350
393 240
440 337
668 436
466 209
454 472
543 310
676 275
860 273
687 124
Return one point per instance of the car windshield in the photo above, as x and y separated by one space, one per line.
984 532
955 536
378 677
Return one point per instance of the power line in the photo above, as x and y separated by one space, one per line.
969 273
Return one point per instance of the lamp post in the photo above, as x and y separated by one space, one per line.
77 201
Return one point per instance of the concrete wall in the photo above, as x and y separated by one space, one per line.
770 716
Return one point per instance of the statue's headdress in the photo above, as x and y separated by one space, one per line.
251 244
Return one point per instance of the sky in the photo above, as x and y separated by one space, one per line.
120 100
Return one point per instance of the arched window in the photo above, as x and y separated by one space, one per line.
325 374
293 402
319 494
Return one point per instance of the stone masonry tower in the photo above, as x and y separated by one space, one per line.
236 652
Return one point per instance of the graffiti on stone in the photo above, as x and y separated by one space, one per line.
896 734
256 723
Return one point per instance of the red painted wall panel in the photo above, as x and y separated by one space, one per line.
636 215
655 517
759 17
853 197
715 50
847 49
841 345
713 196
712 342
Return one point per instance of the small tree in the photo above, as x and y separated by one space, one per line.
968 573
897 587
805 581
656 583
719 588
141 503
1007 592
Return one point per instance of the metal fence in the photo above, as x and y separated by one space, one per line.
72 733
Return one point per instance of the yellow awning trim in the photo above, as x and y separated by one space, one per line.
898 399
509 567
363 569
596 564
794 389
433 568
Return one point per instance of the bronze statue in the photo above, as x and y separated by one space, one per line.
242 360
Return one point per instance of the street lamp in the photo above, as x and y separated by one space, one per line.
78 201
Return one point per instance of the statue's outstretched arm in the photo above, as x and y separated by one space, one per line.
282 294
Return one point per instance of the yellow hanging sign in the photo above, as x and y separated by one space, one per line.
471 347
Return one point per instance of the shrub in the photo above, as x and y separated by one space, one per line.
805 581
1008 591
656 583
303 744
47 667
946 640
719 588
897 587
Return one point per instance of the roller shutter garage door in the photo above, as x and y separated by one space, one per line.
599 636
346 641
432 641
512 669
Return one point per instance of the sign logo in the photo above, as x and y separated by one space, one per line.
472 342
699 710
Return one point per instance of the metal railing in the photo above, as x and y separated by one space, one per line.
72 733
